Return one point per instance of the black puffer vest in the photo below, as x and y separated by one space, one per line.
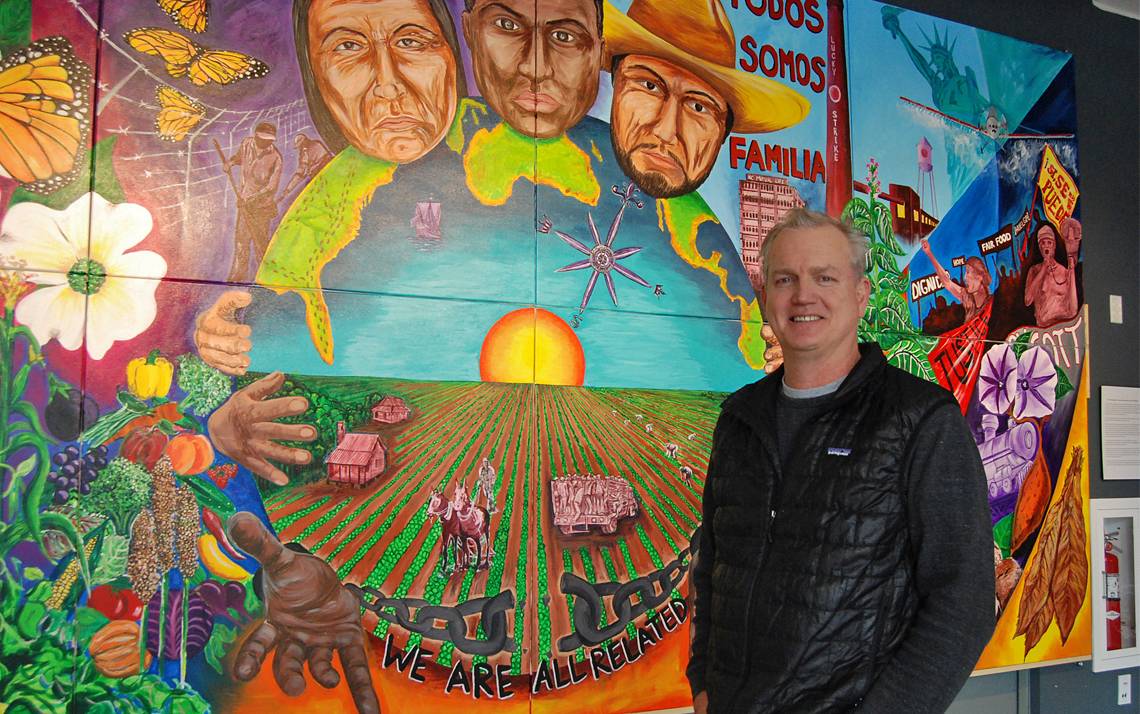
812 580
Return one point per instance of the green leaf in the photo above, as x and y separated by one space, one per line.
907 356
888 283
183 701
1003 534
882 259
112 560
28 621
20 381
1064 386
892 321
887 340
222 636
106 182
1021 344
33 574
64 524
15 26
87 622
209 495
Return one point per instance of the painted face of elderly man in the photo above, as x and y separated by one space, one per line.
536 64
677 93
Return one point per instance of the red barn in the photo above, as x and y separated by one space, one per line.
357 458
390 410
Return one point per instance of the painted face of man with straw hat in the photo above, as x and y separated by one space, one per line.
677 93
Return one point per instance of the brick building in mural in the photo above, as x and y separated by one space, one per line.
764 200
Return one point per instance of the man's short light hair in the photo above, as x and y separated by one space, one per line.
801 218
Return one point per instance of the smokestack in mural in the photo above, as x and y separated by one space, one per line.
838 124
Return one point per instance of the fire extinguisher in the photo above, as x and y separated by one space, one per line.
1111 593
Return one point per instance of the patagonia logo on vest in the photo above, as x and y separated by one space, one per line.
836 451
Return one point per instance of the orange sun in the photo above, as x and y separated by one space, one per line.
532 345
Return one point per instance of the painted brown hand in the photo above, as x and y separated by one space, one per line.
774 354
222 341
244 428
309 615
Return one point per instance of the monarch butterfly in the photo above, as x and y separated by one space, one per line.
44 114
184 57
189 14
177 114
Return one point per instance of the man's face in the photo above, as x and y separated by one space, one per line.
813 298
1047 242
667 125
386 74
262 141
536 64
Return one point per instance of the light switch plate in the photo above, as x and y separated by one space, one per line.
1115 309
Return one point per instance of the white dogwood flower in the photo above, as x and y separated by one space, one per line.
89 285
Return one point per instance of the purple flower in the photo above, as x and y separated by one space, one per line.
1036 385
997 379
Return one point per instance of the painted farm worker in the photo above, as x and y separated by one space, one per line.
845 554
678 93
974 291
1051 286
260 163
312 155
536 65
382 77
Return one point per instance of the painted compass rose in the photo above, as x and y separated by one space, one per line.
602 258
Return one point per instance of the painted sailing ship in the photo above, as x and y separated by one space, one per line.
426 219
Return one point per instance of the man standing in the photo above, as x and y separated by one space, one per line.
845 558
260 163
312 155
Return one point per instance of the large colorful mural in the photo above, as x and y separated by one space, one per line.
364 355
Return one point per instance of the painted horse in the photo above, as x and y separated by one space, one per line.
466 529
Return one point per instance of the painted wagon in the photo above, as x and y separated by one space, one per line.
582 501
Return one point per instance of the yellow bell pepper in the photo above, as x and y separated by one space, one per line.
150 376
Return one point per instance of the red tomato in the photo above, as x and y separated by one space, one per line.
115 604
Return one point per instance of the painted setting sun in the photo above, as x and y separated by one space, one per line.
532 345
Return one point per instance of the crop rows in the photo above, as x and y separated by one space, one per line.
325 518
433 593
401 542
612 572
655 493
568 566
520 576
436 428
502 536
446 649
285 521
542 596
379 574
438 444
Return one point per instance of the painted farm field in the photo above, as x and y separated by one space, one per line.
380 535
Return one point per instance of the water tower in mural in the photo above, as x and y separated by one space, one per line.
926 175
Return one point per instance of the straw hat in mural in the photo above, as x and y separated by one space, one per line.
697 35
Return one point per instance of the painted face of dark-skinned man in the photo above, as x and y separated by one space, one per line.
536 64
